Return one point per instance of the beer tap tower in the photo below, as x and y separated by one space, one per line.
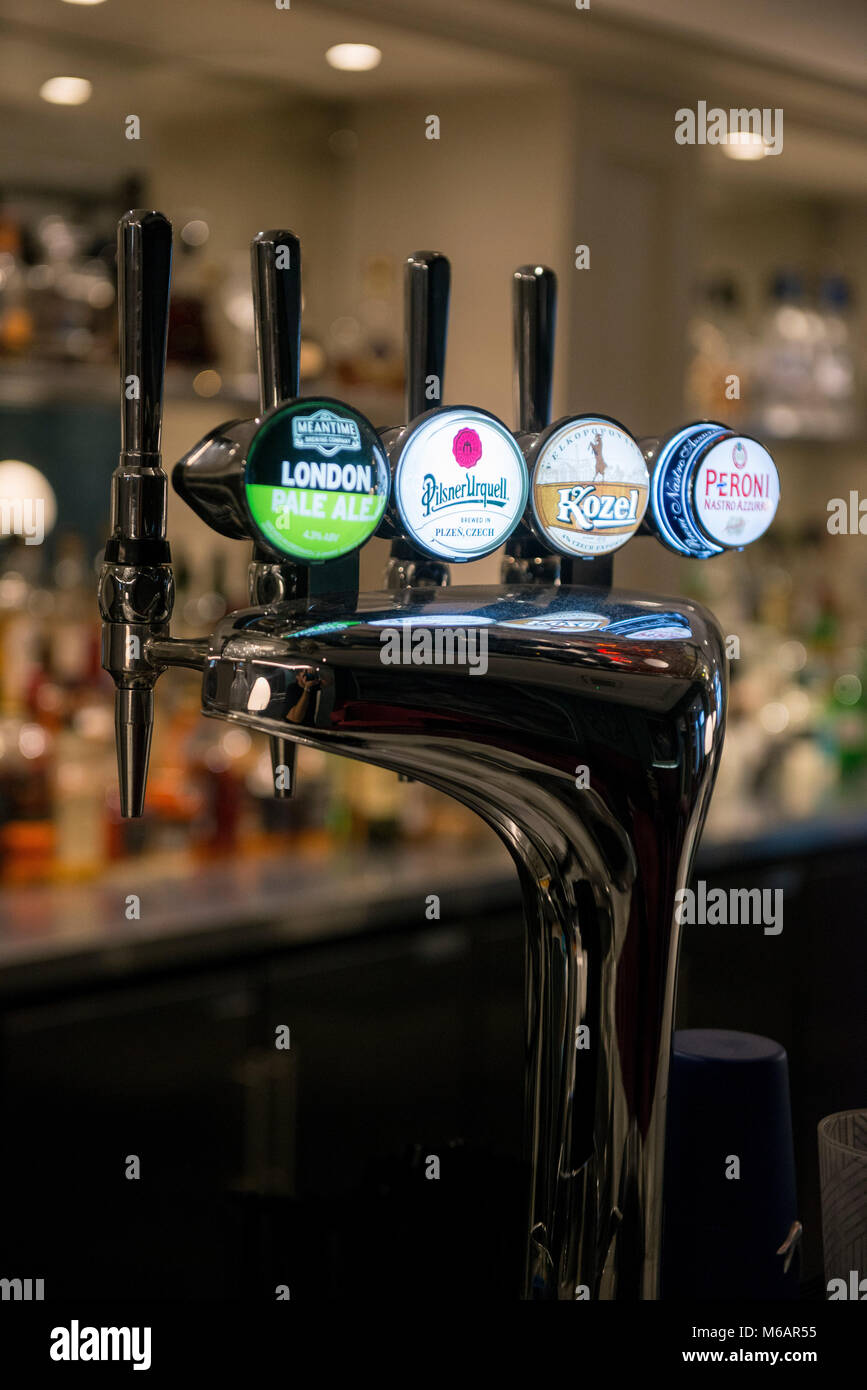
590 743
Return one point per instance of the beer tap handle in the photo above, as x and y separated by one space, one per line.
427 283
427 286
534 314
276 267
136 589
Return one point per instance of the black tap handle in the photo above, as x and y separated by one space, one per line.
275 259
136 590
427 281
144 263
276 265
534 314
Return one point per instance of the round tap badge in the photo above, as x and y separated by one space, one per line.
590 485
671 510
736 491
460 483
316 481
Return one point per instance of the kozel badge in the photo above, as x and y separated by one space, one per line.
590 486
317 479
460 484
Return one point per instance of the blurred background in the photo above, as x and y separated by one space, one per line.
556 131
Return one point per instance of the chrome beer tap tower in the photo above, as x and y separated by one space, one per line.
590 742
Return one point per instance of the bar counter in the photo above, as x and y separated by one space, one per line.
172 1016
74 934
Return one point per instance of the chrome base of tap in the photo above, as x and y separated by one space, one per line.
589 742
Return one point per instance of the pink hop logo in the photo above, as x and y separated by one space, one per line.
467 447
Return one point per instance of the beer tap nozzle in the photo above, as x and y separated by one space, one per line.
136 588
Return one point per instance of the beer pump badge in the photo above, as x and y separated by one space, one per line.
736 491
316 481
460 484
590 486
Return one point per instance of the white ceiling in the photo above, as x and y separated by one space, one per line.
822 36
150 43
427 43
169 57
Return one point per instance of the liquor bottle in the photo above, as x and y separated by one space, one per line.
719 374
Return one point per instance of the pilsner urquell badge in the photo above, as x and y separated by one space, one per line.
460 483
317 480
590 485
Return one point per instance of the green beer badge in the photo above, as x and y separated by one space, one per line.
316 481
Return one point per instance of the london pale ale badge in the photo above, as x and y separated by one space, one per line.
590 486
317 480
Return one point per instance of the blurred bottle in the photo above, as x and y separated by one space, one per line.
845 724
16 320
377 796
83 774
71 291
368 348
73 645
27 832
190 339
785 359
835 371
21 631
218 761
718 381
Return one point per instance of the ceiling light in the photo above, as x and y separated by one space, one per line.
745 144
196 232
207 383
66 91
354 57
84 2
30 505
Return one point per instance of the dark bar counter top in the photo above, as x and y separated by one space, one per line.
65 935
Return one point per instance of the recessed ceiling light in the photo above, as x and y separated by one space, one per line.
207 383
28 496
195 232
84 2
745 144
354 57
66 91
